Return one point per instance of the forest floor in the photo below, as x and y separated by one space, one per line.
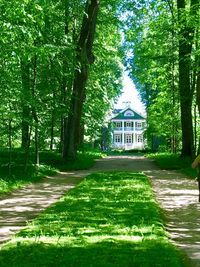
176 194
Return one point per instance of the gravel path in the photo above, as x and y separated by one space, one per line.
177 195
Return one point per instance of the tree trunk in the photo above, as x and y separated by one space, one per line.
34 112
25 75
198 76
65 85
198 100
174 88
52 130
80 137
84 58
53 119
10 146
186 34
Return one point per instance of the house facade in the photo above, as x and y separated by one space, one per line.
128 129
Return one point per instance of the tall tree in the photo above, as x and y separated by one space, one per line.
186 40
152 61
84 57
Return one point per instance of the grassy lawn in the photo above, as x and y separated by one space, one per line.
51 163
170 161
109 220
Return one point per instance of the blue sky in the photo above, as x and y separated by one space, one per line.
130 94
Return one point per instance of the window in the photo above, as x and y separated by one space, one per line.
118 125
128 113
128 124
117 138
139 138
138 125
128 138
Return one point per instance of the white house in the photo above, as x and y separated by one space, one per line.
128 129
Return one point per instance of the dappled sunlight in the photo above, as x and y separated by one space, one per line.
178 197
108 220
25 204
108 213
172 189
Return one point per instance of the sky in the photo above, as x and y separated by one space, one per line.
130 94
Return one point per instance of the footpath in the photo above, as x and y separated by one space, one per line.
176 194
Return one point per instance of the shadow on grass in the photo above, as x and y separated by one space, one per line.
102 254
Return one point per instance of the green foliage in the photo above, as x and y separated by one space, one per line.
152 58
154 31
108 220
105 80
37 63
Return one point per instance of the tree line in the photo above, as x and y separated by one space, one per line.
162 42
61 66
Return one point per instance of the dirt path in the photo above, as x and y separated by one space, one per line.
177 195
25 204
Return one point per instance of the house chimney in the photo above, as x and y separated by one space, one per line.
126 104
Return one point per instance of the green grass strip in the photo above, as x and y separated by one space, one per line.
109 220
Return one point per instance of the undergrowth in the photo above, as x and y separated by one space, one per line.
15 174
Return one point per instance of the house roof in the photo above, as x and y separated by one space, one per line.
116 111
121 115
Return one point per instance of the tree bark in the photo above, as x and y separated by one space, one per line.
10 145
198 76
34 112
25 76
65 84
198 101
84 58
52 122
186 35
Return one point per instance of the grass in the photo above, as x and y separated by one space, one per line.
170 161
50 164
109 220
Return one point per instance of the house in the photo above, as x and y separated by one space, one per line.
128 129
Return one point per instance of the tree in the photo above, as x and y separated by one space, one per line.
152 61
161 60
186 41
45 55
84 57
105 82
